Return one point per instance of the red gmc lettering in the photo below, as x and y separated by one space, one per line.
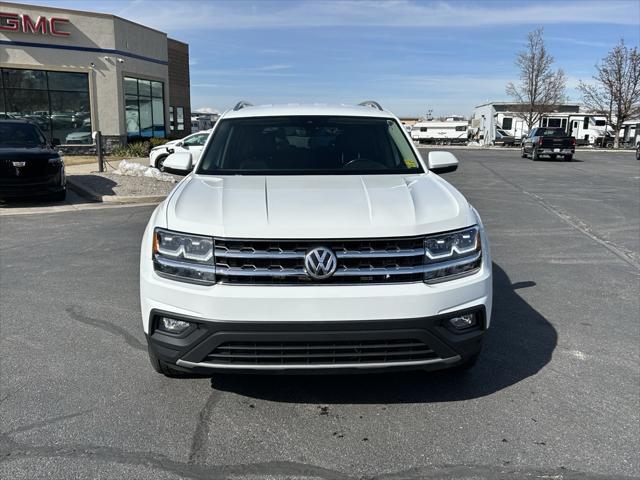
54 29
29 27
9 22
15 22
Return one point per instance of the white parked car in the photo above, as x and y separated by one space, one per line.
191 144
314 238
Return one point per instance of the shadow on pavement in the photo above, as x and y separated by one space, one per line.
95 184
519 343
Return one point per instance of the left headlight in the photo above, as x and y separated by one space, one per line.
452 255
184 257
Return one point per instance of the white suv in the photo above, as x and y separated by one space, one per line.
193 144
314 238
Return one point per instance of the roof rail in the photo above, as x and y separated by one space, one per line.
241 104
372 104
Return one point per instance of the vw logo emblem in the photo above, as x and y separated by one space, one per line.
320 263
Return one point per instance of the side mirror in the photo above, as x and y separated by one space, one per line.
55 142
180 144
441 162
179 161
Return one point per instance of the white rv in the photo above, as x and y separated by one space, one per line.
452 130
588 128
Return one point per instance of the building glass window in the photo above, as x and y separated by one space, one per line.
172 125
507 123
144 105
58 102
179 118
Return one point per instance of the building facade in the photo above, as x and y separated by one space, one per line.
74 73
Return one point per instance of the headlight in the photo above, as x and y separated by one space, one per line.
452 255
56 161
187 258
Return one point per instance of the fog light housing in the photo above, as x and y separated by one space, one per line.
463 322
172 325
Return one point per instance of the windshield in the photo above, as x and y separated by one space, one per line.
308 145
20 135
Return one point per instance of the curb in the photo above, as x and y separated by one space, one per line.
95 197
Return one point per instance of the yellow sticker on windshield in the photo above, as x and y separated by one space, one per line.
410 163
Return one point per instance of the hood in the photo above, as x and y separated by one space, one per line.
349 206
31 153
169 143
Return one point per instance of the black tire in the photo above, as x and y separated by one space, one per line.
568 158
523 153
163 367
160 162
534 155
59 196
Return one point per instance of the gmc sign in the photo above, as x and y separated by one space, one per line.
15 22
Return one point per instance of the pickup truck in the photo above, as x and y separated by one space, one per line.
553 142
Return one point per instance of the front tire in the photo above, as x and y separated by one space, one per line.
568 158
523 154
160 163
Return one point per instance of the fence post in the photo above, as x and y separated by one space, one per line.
99 151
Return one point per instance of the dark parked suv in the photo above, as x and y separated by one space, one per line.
29 166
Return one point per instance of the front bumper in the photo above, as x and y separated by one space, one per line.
18 187
316 347
312 313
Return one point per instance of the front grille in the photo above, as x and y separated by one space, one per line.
282 261
32 169
321 352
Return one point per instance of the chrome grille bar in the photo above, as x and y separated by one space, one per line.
288 254
344 271
359 261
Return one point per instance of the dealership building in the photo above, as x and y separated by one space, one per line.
74 72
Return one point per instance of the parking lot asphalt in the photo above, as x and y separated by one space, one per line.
556 391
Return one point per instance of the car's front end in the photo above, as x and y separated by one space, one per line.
314 273
160 152
31 175
252 305
29 166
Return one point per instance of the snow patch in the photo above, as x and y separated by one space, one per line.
133 169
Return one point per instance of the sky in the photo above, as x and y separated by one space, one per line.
410 55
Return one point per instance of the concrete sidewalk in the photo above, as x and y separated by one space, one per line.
85 180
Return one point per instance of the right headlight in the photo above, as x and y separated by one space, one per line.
184 257
452 255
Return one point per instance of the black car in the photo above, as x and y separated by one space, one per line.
505 139
29 165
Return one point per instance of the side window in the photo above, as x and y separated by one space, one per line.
191 141
585 125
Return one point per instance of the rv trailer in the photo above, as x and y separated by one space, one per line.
451 131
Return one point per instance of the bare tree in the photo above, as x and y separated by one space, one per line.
541 89
615 93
